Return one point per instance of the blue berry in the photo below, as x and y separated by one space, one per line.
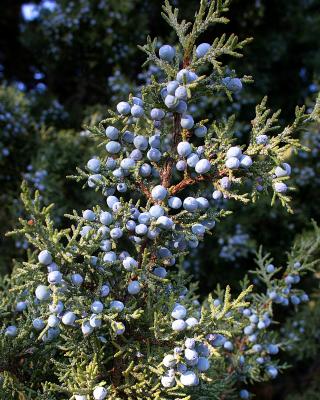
89 215
167 53
189 378
181 93
42 293
184 149
134 287
179 312
232 84
187 122
244 394
137 111
172 86
202 49
116 306
280 187
203 166
171 101
45 257
68 318
93 165
201 131
112 133
179 325
233 163
159 193
123 108
157 114
55 277
262 139
190 204
100 393
174 202
270 268
113 147
245 161
38 324
140 142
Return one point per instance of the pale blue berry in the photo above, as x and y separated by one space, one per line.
189 378
21 306
233 163
45 257
167 53
113 147
165 222
216 195
181 165
134 287
262 139
128 137
232 84
201 131
140 142
89 215
145 170
154 155
179 325
228 345
97 307
77 279
202 49
234 151
244 394
123 108
181 93
280 187
203 364
159 193
179 312
245 161
38 324
55 277
184 149
172 86
171 101
11 330
181 107
116 306
86 328
100 393
68 318
192 160
190 204
53 321
187 121
106 218
156 211
127 163
137 111
93 165
203 166
42 293
112 133
157 114
129 263
272 371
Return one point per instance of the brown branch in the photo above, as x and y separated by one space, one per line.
191 181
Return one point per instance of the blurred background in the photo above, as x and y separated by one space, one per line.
64 63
